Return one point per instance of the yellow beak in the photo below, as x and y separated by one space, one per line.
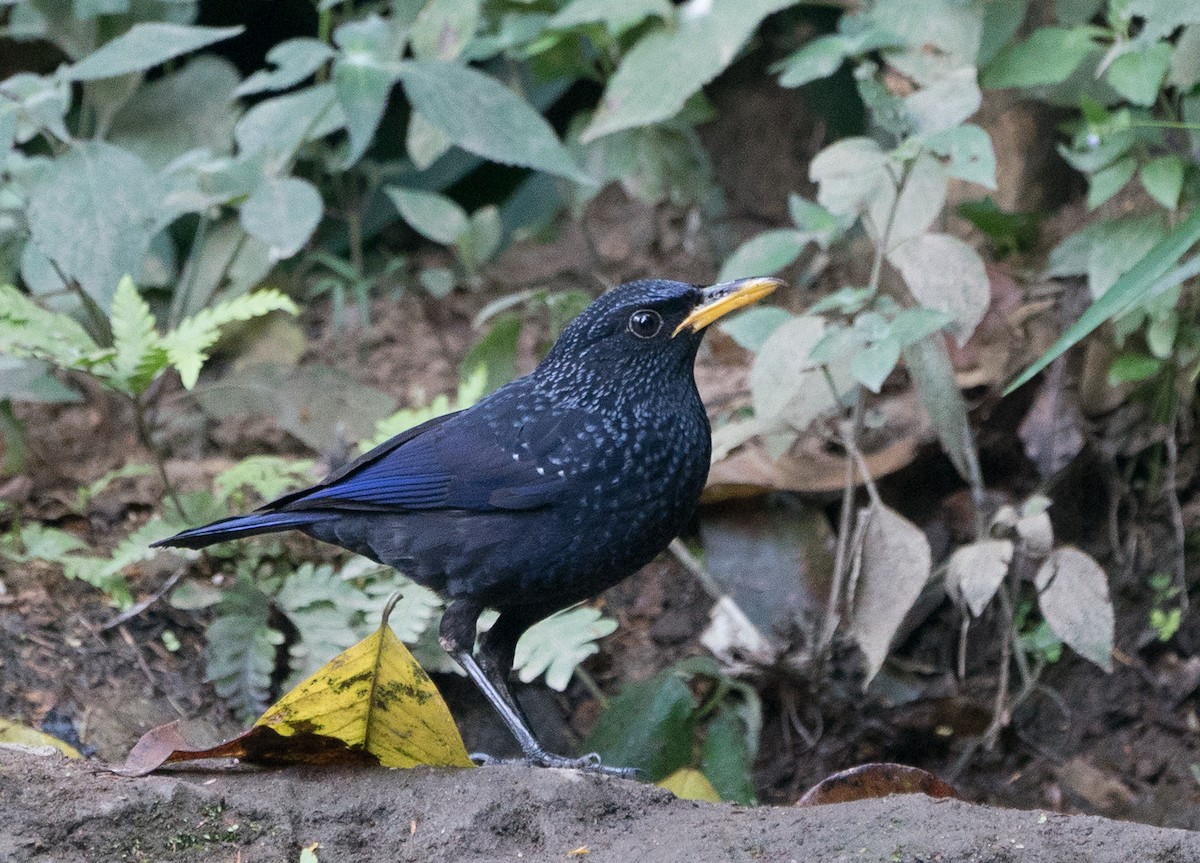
720 300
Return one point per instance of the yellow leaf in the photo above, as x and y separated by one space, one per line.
688 783
15 732
375 698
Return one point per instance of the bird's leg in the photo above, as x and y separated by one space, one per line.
456 636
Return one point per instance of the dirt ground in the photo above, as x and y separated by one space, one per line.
61 811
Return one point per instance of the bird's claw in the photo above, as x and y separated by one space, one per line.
589 763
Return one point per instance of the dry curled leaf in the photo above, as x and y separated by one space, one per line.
868 781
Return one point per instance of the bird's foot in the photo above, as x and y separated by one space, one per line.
588 763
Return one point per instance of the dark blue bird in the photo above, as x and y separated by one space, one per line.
547 492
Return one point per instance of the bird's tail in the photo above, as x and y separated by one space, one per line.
241 526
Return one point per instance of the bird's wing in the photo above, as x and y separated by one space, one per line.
438 465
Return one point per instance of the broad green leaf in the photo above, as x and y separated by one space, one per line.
555 646
139 354
190 109
1071 13
1073 597
1108 181
933 375
764 255
28 330
482 238
975 572
1162 178
912 325
433 216
820 58
930 37
1185 63
294 60
968 153
143 47
648 87
1161 17
873 363
850 175
688 783
648 726
425 142
617 15
437 281
728 757
1048 56
895 566
1136 286
106 194
945 273
38 542
281 124
482 116
946 103
752 327
29 380
444 28
1132 368
1138 73
815 220
187 345
362 78
496 353
283 213
30 103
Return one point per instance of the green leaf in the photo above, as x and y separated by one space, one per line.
815 220
752 327
764 255
106 194
267 476
31 103
482 116
241 649
1011 232
362 78
1108 181
283 212
496 352
425 142
139 356
1133 368
648 726
969 154
873 363
727 757
1138 73
667 66
912 325
187 345
820 58
433 216
933 375
946 103
1185 64
1048 56
1136 286
617 15
557 645
1162 178
482 238
28 330
29 380
1073 597
143 47
850 174
294 60
281 124
188 110
945 273
444 28
39 542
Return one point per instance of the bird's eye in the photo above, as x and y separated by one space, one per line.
645 323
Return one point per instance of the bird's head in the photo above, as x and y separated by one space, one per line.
648 327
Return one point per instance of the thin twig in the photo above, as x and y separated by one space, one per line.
134 610
1176 517
156 455
845 529
692 564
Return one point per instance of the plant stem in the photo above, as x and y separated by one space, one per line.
160 464
845 529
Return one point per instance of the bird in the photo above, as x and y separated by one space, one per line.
553 488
